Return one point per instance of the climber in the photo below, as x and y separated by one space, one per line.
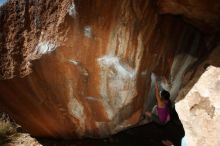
161 112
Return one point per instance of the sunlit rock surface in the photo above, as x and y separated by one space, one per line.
10 135
84 67
22 139
199 111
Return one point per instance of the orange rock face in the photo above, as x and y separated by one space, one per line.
83 67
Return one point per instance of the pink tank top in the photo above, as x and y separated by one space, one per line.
164 114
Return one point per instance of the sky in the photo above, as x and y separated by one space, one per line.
2 1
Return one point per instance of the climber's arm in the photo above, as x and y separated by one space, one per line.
157 94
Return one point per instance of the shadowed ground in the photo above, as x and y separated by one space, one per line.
147 135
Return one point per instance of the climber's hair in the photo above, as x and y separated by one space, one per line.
165 95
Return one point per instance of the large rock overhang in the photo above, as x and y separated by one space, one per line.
86 67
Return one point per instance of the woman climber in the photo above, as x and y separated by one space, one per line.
161 112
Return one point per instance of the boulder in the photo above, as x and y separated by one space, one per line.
199 111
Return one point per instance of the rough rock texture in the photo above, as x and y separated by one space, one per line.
203 14
84 67
22 139
199 111
9 135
